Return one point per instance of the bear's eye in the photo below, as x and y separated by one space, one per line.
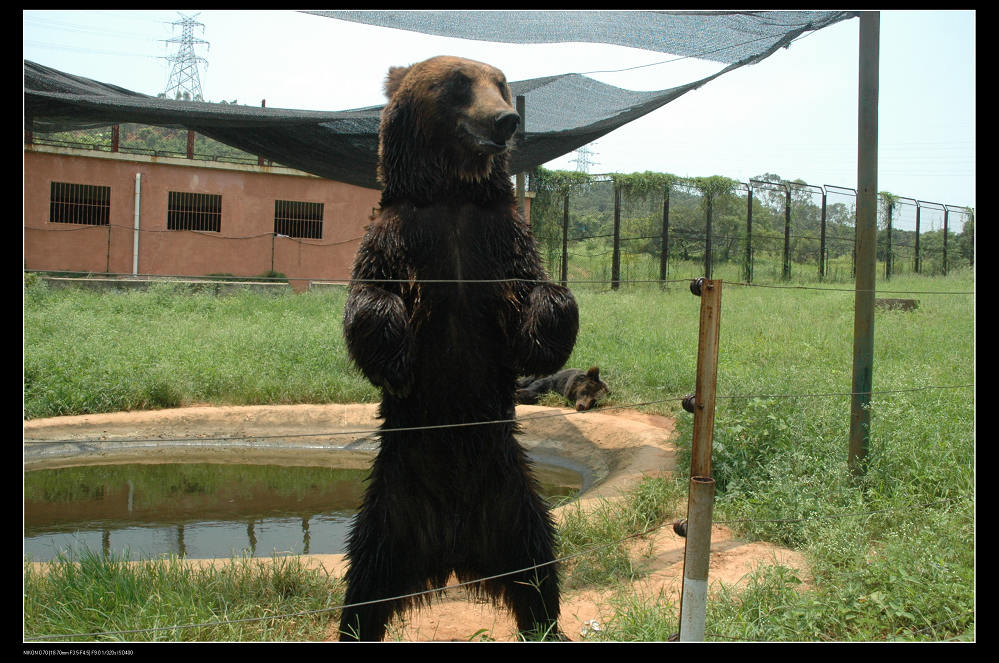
461 83
459 89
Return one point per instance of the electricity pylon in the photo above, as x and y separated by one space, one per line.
185 82
584 159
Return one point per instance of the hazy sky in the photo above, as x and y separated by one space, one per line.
794 114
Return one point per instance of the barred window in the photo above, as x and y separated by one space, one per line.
194 211
298 219
88 204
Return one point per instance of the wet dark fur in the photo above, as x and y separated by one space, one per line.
462 499
581 388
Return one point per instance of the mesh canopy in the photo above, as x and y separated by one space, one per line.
562 112
719 36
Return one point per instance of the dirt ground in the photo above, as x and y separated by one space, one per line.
613 449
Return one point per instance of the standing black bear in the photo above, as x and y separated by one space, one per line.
449 303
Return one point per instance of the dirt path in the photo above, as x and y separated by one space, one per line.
615 450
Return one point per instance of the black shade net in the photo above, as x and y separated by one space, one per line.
562 112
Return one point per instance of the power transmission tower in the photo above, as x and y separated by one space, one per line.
584 159
185 82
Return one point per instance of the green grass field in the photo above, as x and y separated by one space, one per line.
891 554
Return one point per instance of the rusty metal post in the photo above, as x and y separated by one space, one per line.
707 376
697 552
190 144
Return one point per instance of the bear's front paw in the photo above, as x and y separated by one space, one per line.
378 338
549 328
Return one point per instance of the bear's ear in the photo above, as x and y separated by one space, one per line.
394 80
594 372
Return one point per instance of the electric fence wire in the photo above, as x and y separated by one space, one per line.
439 590
517 420
508 421
185 278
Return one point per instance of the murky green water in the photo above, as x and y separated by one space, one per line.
203 510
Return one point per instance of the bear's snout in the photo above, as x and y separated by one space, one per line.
505 126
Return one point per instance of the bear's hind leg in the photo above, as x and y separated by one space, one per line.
521 535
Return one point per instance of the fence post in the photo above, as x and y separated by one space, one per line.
787 232
521 109
946 232
707 234
616 255
700 499
888 251
822 240
919 208
707 375
867 241
664 254
565 239
749 233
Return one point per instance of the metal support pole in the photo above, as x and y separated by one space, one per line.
136 217
707 235
697 552
696 559
616 255
946 232
260 160
919 208
664 253
822 240
521 110
889 251
707 377
749 233
867 237
565 239
787 232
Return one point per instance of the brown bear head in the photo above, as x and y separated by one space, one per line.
587 388
446 131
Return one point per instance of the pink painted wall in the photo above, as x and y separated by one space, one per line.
244 246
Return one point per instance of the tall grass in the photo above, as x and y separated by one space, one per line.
891 555
88 352
168 601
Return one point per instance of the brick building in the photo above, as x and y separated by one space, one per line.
131 214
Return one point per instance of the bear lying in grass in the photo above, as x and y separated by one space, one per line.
582 389
449 302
